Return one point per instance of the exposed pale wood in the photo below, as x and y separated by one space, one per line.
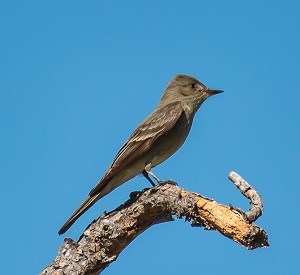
104 239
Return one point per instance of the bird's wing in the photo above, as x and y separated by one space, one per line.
154 126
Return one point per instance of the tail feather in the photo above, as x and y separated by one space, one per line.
89 201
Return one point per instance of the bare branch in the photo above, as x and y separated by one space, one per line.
256 204
105 238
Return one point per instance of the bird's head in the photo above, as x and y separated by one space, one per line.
187 89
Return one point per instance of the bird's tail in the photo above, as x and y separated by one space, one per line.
89 201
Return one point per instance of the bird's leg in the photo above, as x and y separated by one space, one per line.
146 175
154 176
147 171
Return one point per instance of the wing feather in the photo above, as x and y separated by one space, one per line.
158 123
154 126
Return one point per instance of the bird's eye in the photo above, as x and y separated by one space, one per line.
193 85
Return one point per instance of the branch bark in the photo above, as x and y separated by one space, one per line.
105 238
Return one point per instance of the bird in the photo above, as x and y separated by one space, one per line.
155 139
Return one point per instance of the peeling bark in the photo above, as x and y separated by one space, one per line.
105 238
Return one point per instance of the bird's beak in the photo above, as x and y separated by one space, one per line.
213 92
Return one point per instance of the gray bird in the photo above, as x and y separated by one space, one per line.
157 138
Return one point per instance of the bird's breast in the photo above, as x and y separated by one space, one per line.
167 144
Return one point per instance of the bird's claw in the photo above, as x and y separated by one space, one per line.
161 182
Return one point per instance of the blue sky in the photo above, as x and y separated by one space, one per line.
76 79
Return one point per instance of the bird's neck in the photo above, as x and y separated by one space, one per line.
190 109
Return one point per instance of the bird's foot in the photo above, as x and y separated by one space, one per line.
167 182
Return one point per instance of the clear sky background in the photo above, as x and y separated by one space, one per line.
78 76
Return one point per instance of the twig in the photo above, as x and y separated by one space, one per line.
256 204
